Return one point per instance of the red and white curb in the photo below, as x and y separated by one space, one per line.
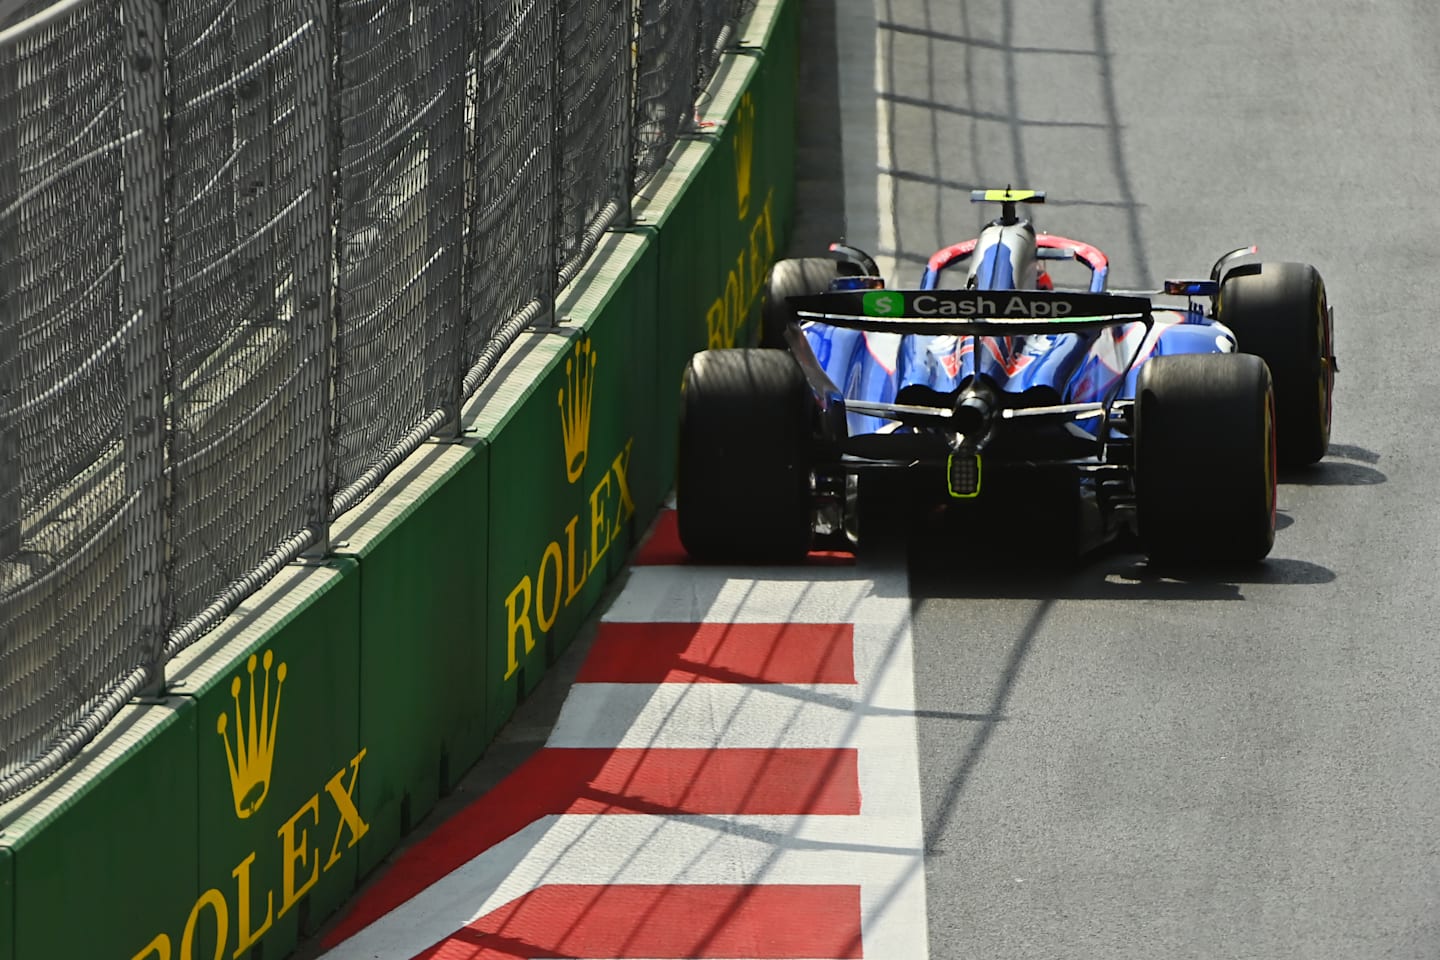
733 775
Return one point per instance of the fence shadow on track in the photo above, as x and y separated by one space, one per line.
973 132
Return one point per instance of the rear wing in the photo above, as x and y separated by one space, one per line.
985 313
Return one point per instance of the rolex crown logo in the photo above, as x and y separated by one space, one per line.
575 399
744 152
253 752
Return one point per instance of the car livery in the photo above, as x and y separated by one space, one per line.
1168 420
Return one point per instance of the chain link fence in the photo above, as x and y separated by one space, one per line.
252 254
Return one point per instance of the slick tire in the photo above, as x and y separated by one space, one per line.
742 489
792 278
1278 312
1205 459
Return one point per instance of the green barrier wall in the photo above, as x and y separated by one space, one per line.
776 95
7 905
561 428
620 322
279 766
105 848
423 678
389 668
685 255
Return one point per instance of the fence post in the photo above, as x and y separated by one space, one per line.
317 109
9 310
557 164
143 297
629 65
446 29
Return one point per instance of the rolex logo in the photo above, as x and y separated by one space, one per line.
744 152
253 751
575 399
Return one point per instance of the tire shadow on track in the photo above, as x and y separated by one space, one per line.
1345 465
941 568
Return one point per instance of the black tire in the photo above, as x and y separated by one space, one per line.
792 278
742 488
1205 437
1278 312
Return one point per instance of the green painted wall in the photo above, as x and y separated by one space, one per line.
423 673
562 434
620 321
104 849
279 814
7 905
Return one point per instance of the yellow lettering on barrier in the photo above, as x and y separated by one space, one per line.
744 125
715 323
744 282
563 571
545 619
251 924
344 799
620 468
159 948
241 873
303 853
215 900
598 544
572 586
762 249
517 623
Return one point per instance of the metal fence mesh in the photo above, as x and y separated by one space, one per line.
250 234
253 252
70 613
402 155
718 20
667 65
511 190
592 128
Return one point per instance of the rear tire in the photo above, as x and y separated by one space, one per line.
743 491
1205 458
1278 312
792 278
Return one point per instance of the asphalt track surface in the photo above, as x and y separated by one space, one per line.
1114 763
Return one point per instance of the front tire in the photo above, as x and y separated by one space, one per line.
1205 458
1278 312
743 490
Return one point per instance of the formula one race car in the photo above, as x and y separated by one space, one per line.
1162 421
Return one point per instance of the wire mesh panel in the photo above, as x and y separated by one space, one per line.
510 190
402 134
79 358
251 297
716 31
667 58
594 139
251 253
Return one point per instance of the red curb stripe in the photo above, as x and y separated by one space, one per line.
770 922
606 781
663 548
721 653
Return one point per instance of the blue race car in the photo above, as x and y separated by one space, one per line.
1163 421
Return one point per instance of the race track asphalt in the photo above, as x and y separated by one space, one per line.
1113 763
